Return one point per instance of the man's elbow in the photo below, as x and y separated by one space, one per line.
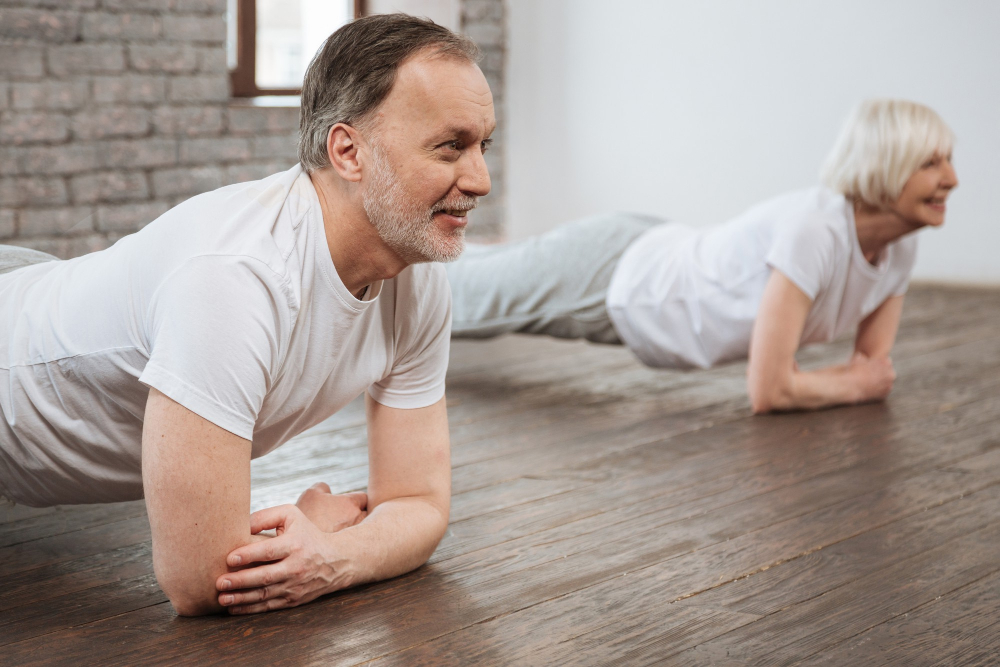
189 596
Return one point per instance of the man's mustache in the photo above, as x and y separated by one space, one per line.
462 203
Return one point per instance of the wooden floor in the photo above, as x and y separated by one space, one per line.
605 513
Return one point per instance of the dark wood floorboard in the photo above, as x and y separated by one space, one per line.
606 513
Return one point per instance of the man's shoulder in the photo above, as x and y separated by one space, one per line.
423 290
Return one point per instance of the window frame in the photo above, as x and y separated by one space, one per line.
244 76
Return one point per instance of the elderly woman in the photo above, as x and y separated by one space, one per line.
805 267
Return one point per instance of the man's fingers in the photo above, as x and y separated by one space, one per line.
272 517
264 551
267 605
255 577
321 486
245 597
359 498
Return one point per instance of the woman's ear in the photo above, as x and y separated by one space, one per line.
342 143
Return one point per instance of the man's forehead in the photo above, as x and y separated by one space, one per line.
441 90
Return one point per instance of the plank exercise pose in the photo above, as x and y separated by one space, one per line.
161 366
802 268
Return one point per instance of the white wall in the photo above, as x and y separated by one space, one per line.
695 110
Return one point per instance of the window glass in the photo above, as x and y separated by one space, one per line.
289 32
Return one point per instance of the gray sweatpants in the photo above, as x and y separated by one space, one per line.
14 257
11 258
553 284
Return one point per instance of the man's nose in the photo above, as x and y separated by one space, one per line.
475 177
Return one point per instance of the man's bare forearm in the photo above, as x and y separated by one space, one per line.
397 536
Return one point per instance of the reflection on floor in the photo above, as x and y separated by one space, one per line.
608 513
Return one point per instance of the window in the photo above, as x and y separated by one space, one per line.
272 41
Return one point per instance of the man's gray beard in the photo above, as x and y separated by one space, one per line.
403 225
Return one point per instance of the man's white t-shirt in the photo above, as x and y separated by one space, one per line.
683 298
228 304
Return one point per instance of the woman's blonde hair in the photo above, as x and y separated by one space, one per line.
881 145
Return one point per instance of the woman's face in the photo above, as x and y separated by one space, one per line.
922 201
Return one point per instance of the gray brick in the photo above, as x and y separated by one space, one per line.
200 6
199 89
104 122
172 58
132 88
212 59
186 181
485 34
109 186
39 25
482 10
252 171
86 59
188 121
130 153
49 95
276 146
221 149
258 120
33 128
7 226
33 191
205 29
136 5
4 95
9 196
10 160
22 61
53 4
492 63
62 220
99 26
67 159
129 217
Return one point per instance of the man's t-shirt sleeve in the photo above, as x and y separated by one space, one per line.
423 333
804 251
215 331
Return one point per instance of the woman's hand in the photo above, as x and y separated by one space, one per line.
874 376
332 512
299 565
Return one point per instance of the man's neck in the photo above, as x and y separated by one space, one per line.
877 228
358 253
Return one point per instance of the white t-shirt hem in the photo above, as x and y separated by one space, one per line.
183 393
407 400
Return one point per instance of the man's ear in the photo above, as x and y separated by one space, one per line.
342 144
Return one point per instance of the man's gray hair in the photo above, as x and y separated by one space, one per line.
356 68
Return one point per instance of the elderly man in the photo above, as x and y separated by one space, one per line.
161 366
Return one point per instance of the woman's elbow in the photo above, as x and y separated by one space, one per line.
771 397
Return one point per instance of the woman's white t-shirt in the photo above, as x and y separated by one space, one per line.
683 298
230 305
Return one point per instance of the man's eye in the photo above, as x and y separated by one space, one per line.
454 145
485 146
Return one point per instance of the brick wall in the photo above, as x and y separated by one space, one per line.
112 111
484 21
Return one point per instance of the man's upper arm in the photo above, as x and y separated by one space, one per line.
877 332
196 478
408 454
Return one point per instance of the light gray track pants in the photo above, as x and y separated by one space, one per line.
14 257
553 284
